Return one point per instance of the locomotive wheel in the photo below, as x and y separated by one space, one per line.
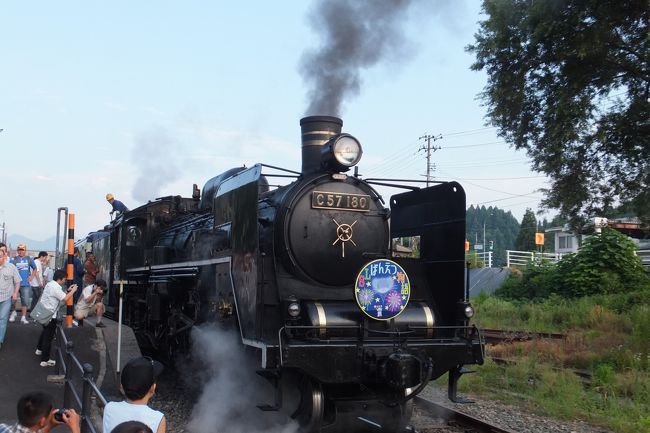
303 401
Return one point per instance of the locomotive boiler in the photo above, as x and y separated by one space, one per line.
350 306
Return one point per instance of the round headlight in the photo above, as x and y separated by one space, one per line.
347 151
469 312
294 309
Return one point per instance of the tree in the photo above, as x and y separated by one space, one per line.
500 226
569 82
526 237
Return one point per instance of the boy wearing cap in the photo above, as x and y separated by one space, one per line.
138 381
26 267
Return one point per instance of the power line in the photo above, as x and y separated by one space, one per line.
498 178
475 145
467 132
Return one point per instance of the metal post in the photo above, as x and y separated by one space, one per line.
67 387
119 332
70 271
58 255
484 245
85 398
467 281
59 348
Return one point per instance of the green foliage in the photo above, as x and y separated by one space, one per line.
535 283
501 227
474 260
606 263
611 344
526 236
568 82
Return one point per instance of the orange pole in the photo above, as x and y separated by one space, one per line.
69 304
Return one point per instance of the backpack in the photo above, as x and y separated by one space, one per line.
30 262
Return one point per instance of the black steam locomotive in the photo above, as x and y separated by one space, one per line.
353 305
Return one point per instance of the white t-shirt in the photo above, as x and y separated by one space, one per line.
87 291
52 296
37 274
48 274
115 413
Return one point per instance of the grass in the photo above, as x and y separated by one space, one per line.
608 335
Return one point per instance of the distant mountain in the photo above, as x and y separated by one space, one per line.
32 245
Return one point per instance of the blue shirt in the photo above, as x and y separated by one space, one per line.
77 275
24 266
118 206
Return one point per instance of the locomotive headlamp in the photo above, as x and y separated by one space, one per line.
347 150
469 312
342 152
293 309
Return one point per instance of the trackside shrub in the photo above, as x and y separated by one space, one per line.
606 263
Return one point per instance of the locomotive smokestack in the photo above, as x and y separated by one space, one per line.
316 131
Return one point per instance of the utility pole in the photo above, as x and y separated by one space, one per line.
428 148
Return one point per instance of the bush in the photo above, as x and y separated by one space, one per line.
606 263
535 282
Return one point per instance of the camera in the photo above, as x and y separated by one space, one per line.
58 415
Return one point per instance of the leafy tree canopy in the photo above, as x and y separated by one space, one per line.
569 82
526 238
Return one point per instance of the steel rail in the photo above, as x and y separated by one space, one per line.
459 418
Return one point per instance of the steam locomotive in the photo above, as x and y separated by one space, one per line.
349 305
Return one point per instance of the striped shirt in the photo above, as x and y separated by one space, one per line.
9 276
15 428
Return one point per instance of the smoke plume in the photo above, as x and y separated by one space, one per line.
232 390
153 155
355 36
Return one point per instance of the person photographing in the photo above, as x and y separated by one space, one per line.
53 297
90 302
36 413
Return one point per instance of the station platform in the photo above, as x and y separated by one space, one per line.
20 370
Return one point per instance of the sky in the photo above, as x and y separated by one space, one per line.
143 99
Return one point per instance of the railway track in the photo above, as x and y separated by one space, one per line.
508 336
454 419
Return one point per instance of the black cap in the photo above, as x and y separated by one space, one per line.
139 374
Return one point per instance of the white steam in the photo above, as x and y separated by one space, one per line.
155 155
232 390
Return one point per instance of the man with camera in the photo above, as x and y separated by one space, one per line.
36 413
90 302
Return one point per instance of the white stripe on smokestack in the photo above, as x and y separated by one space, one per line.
316 131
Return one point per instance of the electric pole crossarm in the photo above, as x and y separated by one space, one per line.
429 149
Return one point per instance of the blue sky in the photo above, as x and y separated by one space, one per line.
143 99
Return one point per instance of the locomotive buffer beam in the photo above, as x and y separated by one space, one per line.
272 376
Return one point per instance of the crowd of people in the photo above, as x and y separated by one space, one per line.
34 282
42 292
36 411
